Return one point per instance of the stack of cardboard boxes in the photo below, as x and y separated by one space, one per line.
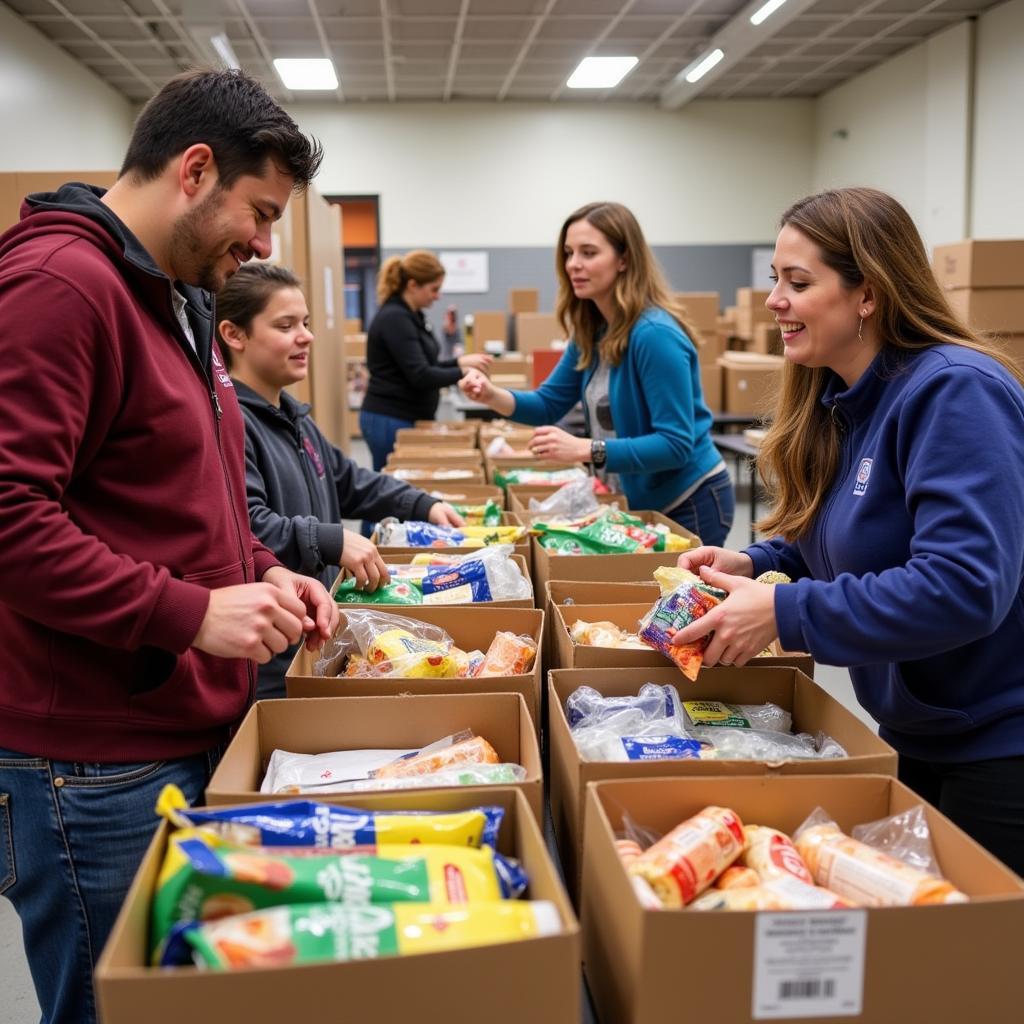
984 282
702 315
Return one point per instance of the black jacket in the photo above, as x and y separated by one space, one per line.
402 356
300 487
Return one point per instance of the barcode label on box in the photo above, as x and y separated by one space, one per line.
809 964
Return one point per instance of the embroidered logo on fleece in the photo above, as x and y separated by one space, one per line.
221 371
863 472
314 457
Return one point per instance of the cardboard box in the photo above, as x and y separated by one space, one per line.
351 325
471 627
974 263
502 462
940 964
711 385
519 496
711 345
467 494
627 615
990 309
489 325
523 300
538 331
440 457
613 568
752 298
749 382
569 592
766 339
517 434
442 988
407 437
811 706
321 724
702 309
521 547
355 346
426 477
448 426
525 602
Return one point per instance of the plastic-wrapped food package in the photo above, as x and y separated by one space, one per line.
766 717
863 874
288 772
686 860
398 646
411 474
585 706
328 826
755 745
905 836
321 933
398 591
644 743
571 501
598 538
691 600
537 477
392 533
508 655
771 854
778 894
487 514
504 774
488 575
440 756
604 634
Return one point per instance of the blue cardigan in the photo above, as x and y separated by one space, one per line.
911 573
663 428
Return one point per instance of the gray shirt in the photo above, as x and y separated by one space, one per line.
595 395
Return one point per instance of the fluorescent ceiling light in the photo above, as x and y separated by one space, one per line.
222 46
306 73
765 11
698 71
601 72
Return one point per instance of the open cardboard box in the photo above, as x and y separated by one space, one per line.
521 547
567 654
934 965
524 602
502 463
813 709
471 627
447 426
425 455
317 726
636 567
519 496
433 988
425 476
432 438
467 494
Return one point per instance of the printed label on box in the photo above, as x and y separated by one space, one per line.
809 964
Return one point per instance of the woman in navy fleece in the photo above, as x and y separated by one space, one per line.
896 463
633 364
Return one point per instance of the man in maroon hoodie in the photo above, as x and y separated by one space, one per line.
133 597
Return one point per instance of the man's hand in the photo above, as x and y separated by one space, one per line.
556 445
743 624
363 560
251 620
321 618
442 514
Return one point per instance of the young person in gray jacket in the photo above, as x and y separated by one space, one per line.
299 485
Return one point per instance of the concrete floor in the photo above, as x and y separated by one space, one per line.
17 998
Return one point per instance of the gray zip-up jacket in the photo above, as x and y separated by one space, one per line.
299 488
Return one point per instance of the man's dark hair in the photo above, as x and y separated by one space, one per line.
231 113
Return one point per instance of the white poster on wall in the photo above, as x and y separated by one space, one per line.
465 272
761 268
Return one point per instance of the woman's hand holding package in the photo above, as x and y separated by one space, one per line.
442 514
363 560
734 563
743 624
556 445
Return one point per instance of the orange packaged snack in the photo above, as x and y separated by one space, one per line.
508 655
685 861
475 750
772 855
738 877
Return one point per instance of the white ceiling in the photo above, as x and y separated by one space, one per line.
485 50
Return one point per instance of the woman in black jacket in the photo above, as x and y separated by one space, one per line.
402 354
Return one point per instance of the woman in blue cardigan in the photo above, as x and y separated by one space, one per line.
632 362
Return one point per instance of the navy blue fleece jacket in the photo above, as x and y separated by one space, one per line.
911 574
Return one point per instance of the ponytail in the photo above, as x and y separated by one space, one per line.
397 271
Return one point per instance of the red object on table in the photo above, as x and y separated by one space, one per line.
544 361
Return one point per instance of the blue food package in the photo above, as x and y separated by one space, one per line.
657 748
468 580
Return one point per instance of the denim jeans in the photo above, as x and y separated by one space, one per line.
379 433
71 838
709 511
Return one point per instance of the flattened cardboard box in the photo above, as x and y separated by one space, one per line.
612 568
812 708
567 654
471 627
433 988
521 547
934 965
519 496
524 602
320 725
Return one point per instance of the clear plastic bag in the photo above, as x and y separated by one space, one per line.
905 836
301 773
486 575
605 634
586 707
508 655
756 745
504 774
574 500
455 751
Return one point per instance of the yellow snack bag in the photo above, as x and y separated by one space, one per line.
398 652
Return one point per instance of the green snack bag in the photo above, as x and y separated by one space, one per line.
396 592
599 538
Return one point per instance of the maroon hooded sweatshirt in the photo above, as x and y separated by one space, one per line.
122 497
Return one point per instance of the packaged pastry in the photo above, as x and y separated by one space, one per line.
685 861
771 854
604 634
399 652
474 750
782 893
737 876
868 876
508 655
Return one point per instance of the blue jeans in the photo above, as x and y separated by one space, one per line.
71 838
709 511
379 433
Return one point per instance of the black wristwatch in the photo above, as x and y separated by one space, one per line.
598 452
